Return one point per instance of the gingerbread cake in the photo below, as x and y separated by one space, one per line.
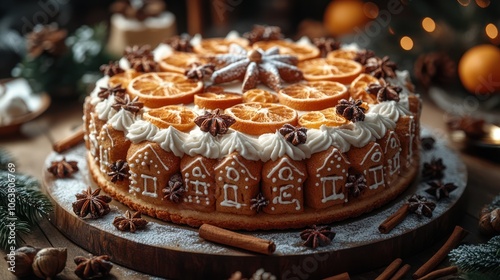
252 132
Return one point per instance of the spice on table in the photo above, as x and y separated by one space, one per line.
342 276
63 168
456 237
447 271
390 270
130 222
90 202
93 266
394 219
238 240
401 272
317 236
69 142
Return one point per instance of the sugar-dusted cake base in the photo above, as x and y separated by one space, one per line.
260 221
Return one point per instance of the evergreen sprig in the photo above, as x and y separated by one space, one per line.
5 159
30 205
480 261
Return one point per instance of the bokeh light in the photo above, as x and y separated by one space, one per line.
483 3
371 10
491 31
428 24
406 43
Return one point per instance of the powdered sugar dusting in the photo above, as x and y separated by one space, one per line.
172 236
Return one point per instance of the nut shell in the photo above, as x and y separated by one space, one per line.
49 262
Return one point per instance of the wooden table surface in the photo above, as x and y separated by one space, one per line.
31 149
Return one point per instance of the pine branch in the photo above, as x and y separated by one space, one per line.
482 259
11 229
30 203
5 159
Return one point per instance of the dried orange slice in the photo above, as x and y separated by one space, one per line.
345 54
335 69
257 118
218 45
213 100
259 95
179 117
313 96
358 88
123 78
316 119
179 62
301 51
160 89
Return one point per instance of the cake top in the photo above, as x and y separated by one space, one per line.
259 95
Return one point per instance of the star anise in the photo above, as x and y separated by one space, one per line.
136 51
380 67
433 169
90 202
427 143
326 45
420 205
180 43
130 222
141 58
472 127
144 64
105 92
256 66
259 202
125 103
263 33
138 9
216 123
48 39
384 91
352 110
355 184
294 135
63 168
440 189
434 68
199 71
93 266
119 170
317 236
363 56
111 69
175 189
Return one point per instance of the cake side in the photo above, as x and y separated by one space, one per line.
261 221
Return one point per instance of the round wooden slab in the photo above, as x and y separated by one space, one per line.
176 252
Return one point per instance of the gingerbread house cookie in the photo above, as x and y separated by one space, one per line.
237 181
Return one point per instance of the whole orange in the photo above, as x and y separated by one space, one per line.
479 69
343 16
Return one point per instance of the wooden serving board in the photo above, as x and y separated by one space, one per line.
176 252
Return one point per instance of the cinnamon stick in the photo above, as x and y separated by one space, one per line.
390 270
394 219
343 276
401 272
456 237
231 238
68 142
447 271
